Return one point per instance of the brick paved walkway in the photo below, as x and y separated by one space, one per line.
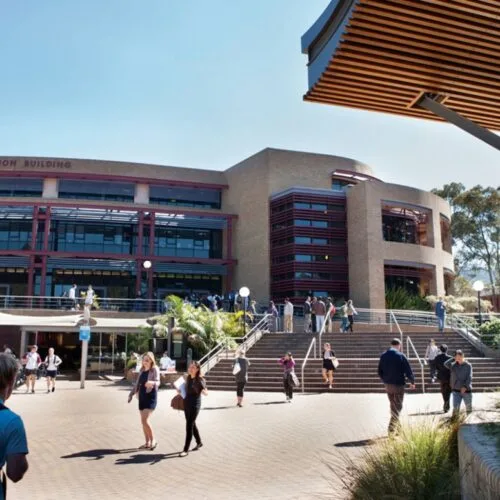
264 450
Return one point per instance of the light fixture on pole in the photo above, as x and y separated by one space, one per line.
244 293
478 286
146 264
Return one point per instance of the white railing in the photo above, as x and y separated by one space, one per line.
468 332
326 321
221 350
395 321
409 344
304 363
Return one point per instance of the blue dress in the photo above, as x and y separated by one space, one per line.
147 400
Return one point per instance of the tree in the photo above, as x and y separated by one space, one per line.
475 228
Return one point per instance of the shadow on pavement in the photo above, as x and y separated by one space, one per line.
146 458
271 403
357 444
424 413
99 453
220 407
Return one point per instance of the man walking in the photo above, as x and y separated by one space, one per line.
394 369
441 314
288 316
32 363
443 375
430 354
319 309
13 443
307 315
72 298
461 382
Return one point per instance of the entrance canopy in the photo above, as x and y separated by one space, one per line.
392 55
70 323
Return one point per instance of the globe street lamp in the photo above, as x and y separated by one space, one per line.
146 264
244 293
478 286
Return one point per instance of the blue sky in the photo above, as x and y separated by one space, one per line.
199 83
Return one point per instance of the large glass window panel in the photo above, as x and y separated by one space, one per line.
185 197
15 235
96 190
21 187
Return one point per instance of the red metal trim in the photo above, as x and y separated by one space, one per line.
107 177
34 227
131 207
46 231
229 235
140 234
31 276
152 231
43 277
138 276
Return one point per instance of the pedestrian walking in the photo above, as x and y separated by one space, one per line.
330 309
440 312
89 297
289 377
32 362
444 376
319 309
329 362
460 381
240 372
13 442
72 297
430 354
273 311
52 363
288 316
195 387
307 315
344 318
146 389
394 370
351 312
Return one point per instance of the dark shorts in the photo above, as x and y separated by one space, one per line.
148 401
240 388
30 372
52 373
328 365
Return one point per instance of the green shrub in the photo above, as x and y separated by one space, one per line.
400 298
420 464
490 333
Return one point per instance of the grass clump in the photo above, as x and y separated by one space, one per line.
420 464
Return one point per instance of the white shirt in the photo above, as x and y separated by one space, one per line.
89 299
32 361
431 352
52 362
71 293
288 310
165 363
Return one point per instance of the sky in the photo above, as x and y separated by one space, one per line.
198 83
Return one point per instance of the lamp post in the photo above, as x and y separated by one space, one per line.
478 286
244 294
147 266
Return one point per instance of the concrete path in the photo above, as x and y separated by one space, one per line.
82 444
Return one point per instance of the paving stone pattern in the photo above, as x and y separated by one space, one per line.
267 449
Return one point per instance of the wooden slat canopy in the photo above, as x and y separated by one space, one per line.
381 55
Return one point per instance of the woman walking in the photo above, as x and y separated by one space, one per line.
52 362
146 388
350 315
273 311
328 365
240 371
195 387
288 364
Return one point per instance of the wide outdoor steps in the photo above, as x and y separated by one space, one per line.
352 375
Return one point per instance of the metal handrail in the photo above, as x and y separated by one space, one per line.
393 319
327 320
251 336
420 360
313 343
468 332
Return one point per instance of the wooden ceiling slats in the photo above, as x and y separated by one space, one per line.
381 40
387 24
392 51
414 11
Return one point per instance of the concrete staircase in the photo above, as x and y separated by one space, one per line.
358 355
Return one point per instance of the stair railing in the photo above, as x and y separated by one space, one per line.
327 320
421 362
210 359
464 329
304 363
396 323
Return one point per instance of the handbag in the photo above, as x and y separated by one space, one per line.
295 379
335 362
177 403
236 368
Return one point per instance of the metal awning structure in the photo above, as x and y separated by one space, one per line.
432 59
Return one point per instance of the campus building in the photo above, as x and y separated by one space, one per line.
283 223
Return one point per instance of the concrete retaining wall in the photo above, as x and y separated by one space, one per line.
479 463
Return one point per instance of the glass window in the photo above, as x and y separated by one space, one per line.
446 240
340 185
301 206
96 190
302 240
303 258
405 224
320 241
302 222
185 197
319 223
319 206
20 187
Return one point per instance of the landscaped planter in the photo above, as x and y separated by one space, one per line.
166 378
